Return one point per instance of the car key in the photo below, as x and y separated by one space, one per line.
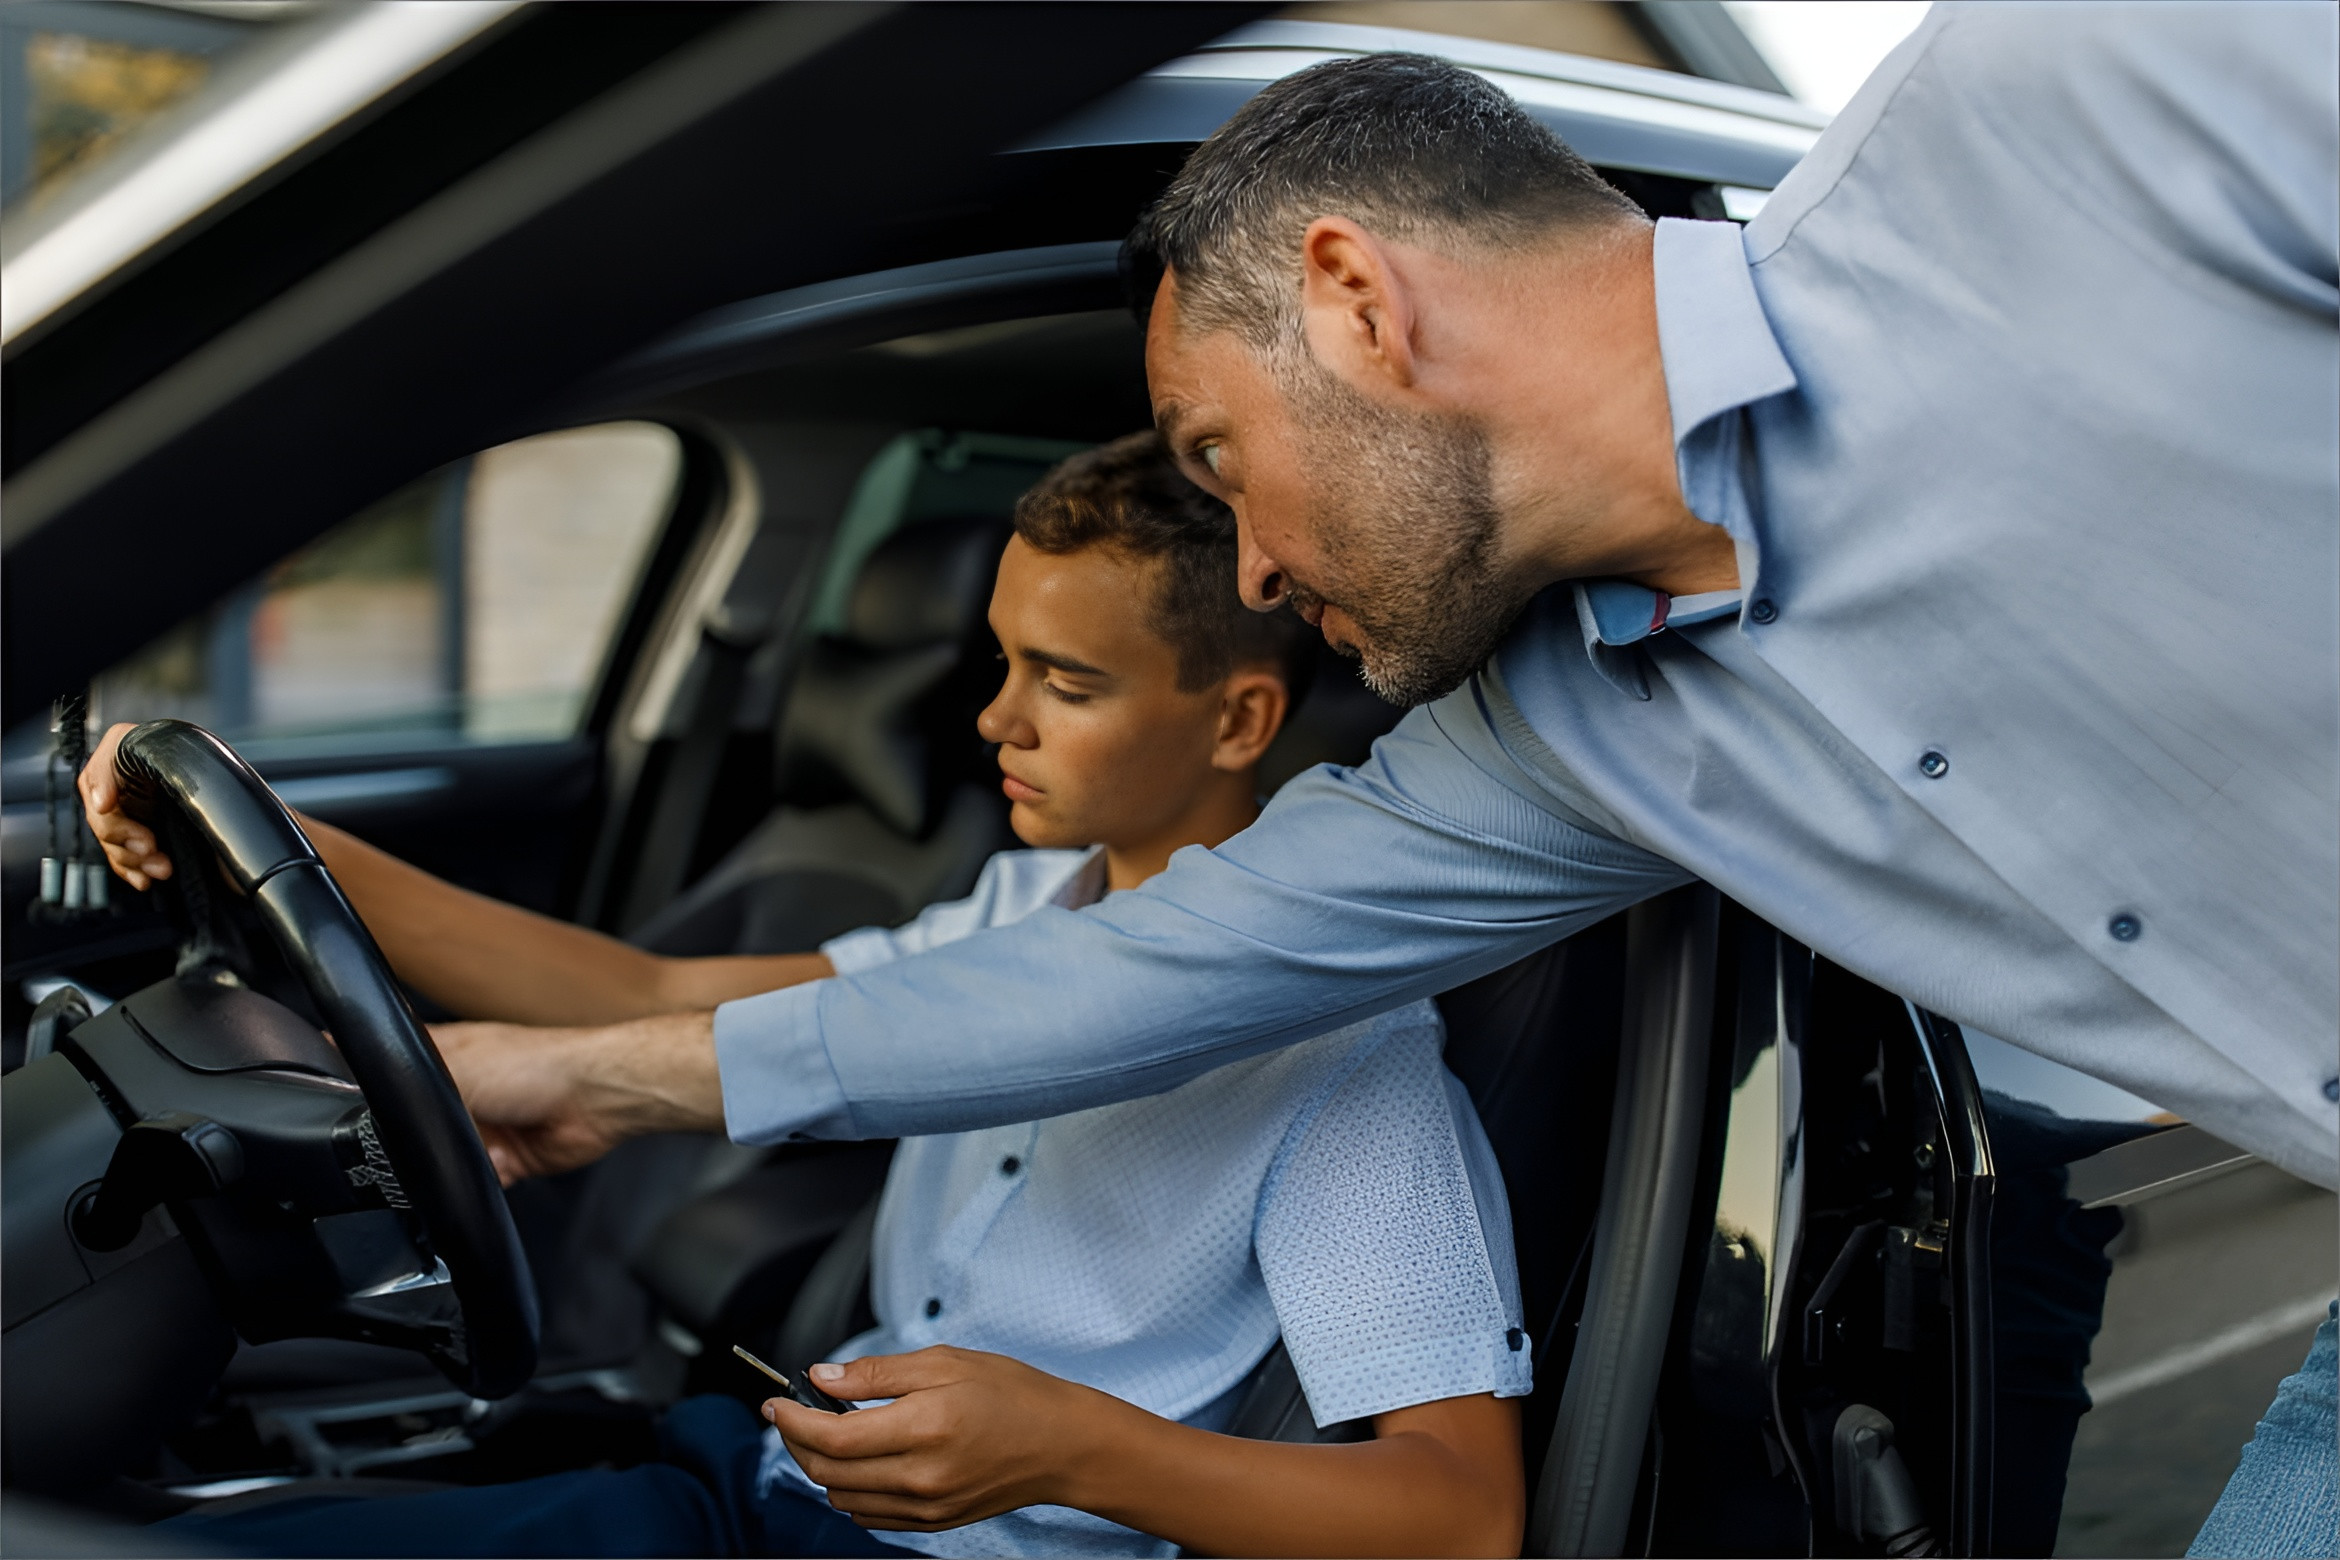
803 1391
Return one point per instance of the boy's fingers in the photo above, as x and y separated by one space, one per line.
887 1513
888 1375
852 1482
134 866
855 1438
129 845
97 776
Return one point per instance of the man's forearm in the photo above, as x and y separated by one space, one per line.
1356 892
654 1075
1441 1479
548 1100
487 960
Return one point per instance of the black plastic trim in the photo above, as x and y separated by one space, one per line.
860 310
1967 1140
1584 1498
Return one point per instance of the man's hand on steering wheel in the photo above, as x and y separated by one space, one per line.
521 1087
548 1100
130 846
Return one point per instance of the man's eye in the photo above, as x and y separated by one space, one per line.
1066 695
1210 457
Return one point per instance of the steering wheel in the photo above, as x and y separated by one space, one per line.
413 1146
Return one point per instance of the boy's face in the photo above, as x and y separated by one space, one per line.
1098 745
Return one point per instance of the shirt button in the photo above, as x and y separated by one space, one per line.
1514 1339
1933 763
1010 1165
2332 1090
2125 927
934 1308
1762 610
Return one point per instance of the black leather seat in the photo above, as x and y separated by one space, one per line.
885 800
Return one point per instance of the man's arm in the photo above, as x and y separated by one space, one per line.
1435 862
471 954
1438 860
970 1435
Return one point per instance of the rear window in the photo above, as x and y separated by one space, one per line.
477 604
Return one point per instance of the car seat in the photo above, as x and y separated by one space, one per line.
883 805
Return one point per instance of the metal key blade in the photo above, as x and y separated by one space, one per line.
785 1384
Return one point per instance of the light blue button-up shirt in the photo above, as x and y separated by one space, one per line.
2019 403
1339 1192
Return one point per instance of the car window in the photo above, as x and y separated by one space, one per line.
477 604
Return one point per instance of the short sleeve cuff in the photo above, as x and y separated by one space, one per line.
863 949
1376 1381
778 1084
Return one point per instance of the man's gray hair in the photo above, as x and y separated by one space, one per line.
1406 146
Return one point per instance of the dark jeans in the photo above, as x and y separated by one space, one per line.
2048 1277
699 1499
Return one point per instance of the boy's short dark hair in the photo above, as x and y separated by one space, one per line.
1130 495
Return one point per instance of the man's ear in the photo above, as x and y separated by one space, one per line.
1355 306
1252 706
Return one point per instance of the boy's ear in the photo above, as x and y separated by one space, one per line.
1252 705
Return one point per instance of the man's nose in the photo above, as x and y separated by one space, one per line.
1260 578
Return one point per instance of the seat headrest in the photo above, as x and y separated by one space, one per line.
928 583
853 715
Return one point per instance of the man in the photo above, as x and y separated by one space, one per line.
1085 1297
1944 568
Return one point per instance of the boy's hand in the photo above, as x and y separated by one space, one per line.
968 1436
129 845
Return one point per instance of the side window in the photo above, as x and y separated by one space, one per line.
477 605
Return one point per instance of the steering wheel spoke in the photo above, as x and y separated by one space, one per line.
361 1203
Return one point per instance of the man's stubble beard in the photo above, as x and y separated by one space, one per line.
1407 527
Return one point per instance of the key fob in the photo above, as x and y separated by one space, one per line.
799 1387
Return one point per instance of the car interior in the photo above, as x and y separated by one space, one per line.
779 746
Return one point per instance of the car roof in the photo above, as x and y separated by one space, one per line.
1614 115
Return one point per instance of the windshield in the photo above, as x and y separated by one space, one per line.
124 122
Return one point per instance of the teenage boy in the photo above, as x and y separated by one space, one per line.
1068 1308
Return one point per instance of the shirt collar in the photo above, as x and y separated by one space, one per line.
1716 344
1719 354
1086 885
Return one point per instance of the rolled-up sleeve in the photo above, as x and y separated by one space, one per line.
1358 890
